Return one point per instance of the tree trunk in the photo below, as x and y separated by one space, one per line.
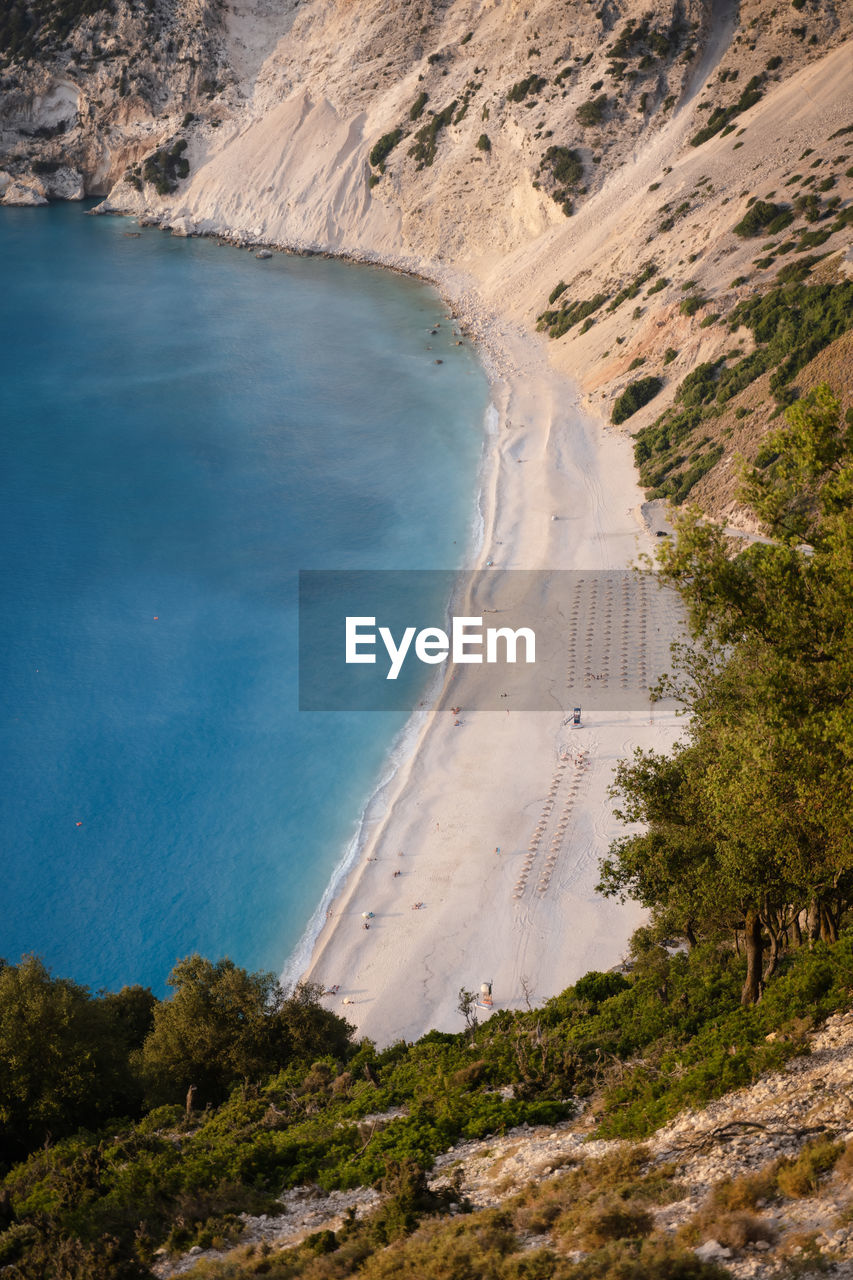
773 957
797 931
689 934
754 946
828 926
813 921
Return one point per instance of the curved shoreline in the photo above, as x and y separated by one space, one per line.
402 748
558 491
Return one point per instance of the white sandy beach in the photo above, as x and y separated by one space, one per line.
526 919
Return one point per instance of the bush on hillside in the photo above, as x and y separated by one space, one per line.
592 111
635 395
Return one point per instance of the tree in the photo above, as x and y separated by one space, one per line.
224 1025
749 819
467 1006
62 1064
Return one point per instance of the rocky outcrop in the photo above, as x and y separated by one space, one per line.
17 193
117 86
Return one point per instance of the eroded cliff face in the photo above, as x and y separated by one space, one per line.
579 168
103 94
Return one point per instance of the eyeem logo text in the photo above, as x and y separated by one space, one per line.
467 642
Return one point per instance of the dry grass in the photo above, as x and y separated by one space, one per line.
802 1176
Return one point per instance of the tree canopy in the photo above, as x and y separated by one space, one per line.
63 1054
748 819
224 1025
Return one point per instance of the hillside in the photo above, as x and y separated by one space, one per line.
639 1128
583 169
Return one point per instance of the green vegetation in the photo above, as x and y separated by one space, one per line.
381 150
592 111
556 323
483 143
565 165
64 1055
763 216
165 167
426 139
790 324
531 85
645 1045
631 290
720 117
605 1209
641 40
748 818
565 168
416 110
224 1025
689 306
635 395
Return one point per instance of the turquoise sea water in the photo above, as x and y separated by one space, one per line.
183 428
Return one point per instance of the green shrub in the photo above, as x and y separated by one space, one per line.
794 272
565 165
531 85
635 395
426 139
382 149
689 306
631 290
483 143
759 217
416 110
700 385
570 313
166 166
720 117
597 987
592 111
813 239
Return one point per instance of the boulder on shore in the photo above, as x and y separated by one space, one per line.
19 194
